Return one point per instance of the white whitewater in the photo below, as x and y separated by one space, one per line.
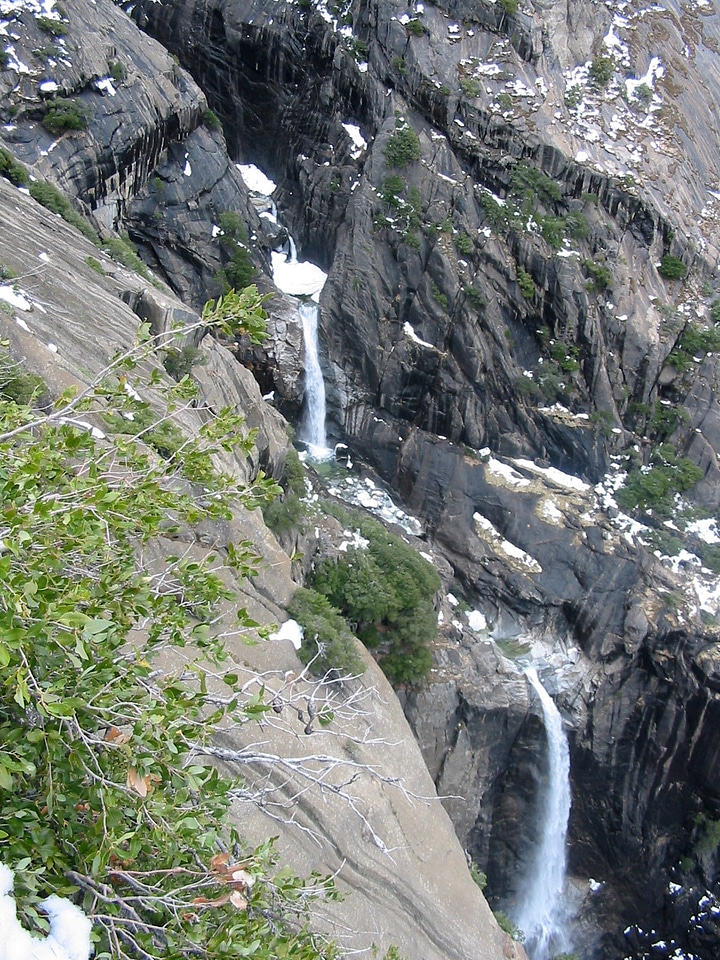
305 279
312 428
300 278
542 914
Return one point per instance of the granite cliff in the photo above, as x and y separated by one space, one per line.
520 310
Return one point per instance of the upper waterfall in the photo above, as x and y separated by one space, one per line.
542 912
300 278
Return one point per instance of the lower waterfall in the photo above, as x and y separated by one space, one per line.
542 913
312 428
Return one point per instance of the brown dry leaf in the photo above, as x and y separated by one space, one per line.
113 735
219 863
238 901
137 783
217 902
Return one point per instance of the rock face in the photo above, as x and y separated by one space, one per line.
392 845
493 257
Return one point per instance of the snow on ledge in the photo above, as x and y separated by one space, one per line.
290 630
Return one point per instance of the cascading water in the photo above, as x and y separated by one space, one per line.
305 280
312 428
542 913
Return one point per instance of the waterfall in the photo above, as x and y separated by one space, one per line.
312 428
542 913
304 279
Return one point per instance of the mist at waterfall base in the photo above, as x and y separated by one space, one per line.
542 912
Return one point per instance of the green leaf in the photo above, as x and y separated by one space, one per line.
97 627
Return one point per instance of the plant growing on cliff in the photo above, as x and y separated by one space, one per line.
103 793
56 202
403 147
600 277
122 250
655 487
526 284
284 512
239 271
11 169
601 70
387 589
55 28
672 268
179 362
63 114
694 341
526 180
17 384
507 925
328 641
415 28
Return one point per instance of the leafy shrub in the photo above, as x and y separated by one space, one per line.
162 435
552 230
239 272
666 419
211 121
599 275
526 387
464 243
12 170
52 199
672 268
509 6
122 250
526 179
526 284
95 265
601 70
403 147
326 635
63 114
603 421
506 924
654 488
474 296
439 297
105 792
470 86
54 27
565 356
715 311
709 838
576 226
179 363
400 65
17 384
694 341
478 876
117 71
416 28
284 512
387 590
709 553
